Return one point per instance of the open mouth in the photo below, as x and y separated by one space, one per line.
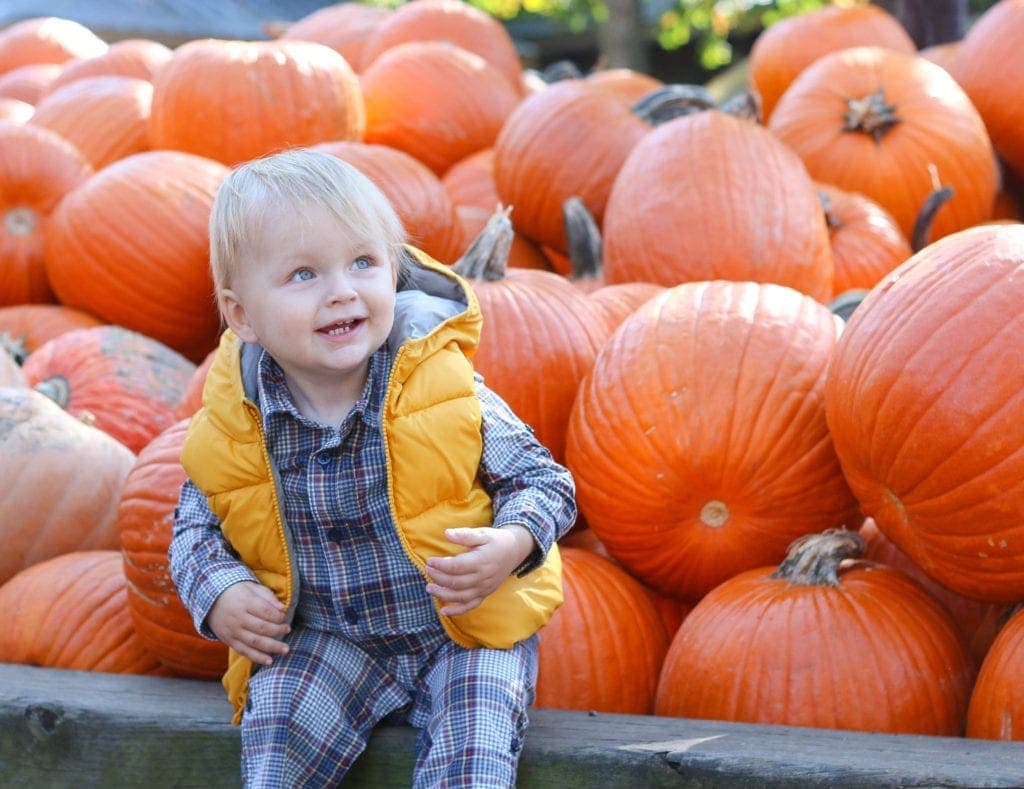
340 327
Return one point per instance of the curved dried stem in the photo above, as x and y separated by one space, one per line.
487 257
814 559
672 101
584 240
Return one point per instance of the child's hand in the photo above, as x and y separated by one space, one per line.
464 581
249 618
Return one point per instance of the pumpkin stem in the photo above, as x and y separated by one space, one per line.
15 346
831 219
846 302
923 224
57 388
870 115
672 101
745 105
814 559
584 239
487 257
560 70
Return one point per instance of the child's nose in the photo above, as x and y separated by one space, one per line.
340 288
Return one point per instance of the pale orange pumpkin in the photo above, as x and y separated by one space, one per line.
24 327
15 110
46 450
344 27
47 40
29 83
139 58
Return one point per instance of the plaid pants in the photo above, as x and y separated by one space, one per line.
311 712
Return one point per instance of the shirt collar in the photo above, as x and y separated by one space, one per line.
275 397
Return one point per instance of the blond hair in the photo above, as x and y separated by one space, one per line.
299 176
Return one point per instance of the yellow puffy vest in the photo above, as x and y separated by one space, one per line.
431 426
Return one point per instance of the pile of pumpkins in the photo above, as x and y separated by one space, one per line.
785 518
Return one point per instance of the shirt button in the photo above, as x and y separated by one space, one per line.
351 616
323 459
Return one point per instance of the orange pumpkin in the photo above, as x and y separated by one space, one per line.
37 169
821 641
106 118
126 383
989 65
435 101
620 301
783 50
710 196
192 399
62 480
866 242
29 83
145 517
997 703
698 440
942 54
131 246
470 181
452 21
921 403
139 58
603 649
24 327
418 197
47 40
85 591
343 27
569 140
973 618
893 127
522 254
540 336
235 100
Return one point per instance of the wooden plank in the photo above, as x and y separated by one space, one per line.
66 728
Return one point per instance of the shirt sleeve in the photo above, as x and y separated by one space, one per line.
526 485
202 564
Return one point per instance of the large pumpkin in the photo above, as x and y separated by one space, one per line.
106 118
62 480
71 612
540 337
569 140
435 101
131 246
29 83
821 641
452 21
344 27
893 127
145 518
787 47
997 703
989 65
37 169
922 403
709 196
698 441
125 383
235 100
47 39
602 650
138 58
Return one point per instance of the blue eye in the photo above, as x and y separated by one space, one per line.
362 263
302 274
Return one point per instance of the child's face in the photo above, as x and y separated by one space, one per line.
319 301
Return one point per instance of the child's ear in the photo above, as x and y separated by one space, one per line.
234 315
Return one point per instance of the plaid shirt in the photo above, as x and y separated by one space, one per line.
355 578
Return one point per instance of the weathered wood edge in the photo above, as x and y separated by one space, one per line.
68 728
